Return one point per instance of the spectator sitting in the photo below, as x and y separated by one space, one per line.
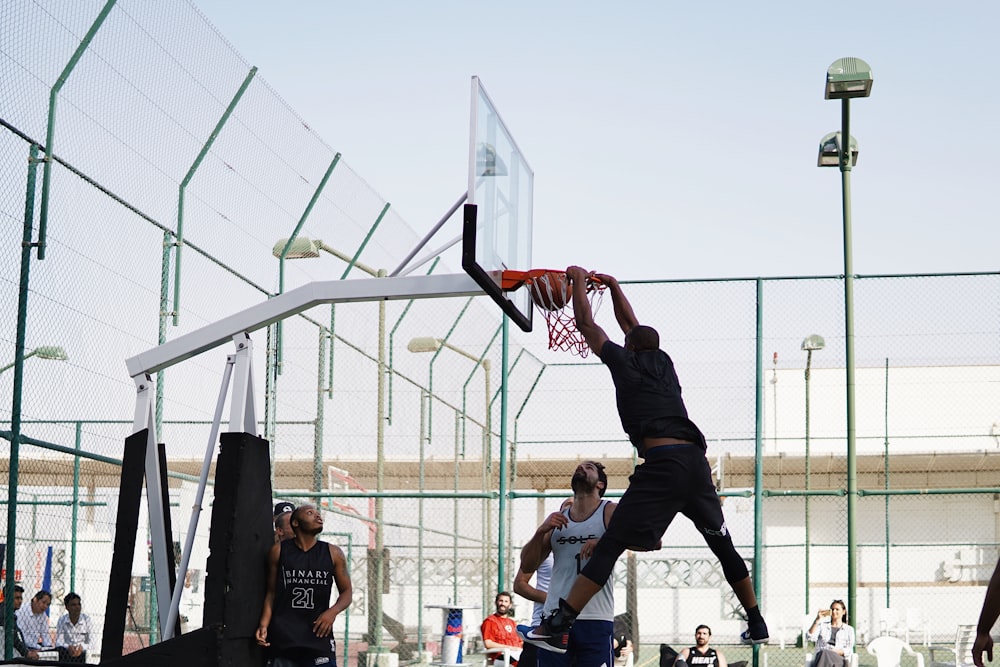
833 636
702 654
34 622
499 631
73 631
20 650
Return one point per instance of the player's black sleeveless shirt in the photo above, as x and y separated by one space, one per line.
707 659
301 593
648 395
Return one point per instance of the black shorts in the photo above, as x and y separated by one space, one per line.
672 479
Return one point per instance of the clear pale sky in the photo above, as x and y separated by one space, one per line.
668 140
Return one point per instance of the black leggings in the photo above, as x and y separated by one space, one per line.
673 478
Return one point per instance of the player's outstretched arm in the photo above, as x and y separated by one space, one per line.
987 617
623 309
592 333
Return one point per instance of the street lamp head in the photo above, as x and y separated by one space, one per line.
301 248
830 147
51 352
847 78
424 344
813 343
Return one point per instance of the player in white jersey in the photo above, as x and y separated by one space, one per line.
570 535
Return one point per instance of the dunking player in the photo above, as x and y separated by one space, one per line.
674 477
297 620
570 535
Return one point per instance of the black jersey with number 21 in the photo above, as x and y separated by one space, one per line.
301 593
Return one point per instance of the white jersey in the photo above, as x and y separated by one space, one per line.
566 545
542 577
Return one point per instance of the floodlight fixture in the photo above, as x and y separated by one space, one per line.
813 342
830 147
847 78
303 247
52 352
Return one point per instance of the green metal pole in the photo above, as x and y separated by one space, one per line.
885 481
291 239
15 409
809 356
758 472
392 346
76 505
187 179
50 130
852 462
376 627
502 533
361 248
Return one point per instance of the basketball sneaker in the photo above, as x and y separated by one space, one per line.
756 633
552 634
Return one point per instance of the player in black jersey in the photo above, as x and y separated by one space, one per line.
296 623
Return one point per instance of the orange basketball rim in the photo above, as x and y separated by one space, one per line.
552 296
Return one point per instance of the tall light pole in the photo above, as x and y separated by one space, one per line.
301 248
810 344
431 344
43 352
847 78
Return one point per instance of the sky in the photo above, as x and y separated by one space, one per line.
668 140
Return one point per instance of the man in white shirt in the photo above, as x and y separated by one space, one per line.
34 622
73 631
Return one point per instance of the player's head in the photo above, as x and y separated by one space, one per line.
282 527
41 601
702 635
282 517
641 338
306 520
589 475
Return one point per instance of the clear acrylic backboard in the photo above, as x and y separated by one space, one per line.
498 213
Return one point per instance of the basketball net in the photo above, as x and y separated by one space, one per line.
552 297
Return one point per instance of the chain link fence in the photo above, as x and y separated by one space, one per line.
168 171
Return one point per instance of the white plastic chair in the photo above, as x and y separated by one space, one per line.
502 660
959 655
888 651
888 622
811 654
914 623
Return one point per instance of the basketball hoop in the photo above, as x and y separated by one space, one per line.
552 296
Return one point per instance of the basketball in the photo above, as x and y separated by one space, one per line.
551 291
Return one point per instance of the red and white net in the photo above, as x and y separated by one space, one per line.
553 300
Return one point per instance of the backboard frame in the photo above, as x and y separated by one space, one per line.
490 281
